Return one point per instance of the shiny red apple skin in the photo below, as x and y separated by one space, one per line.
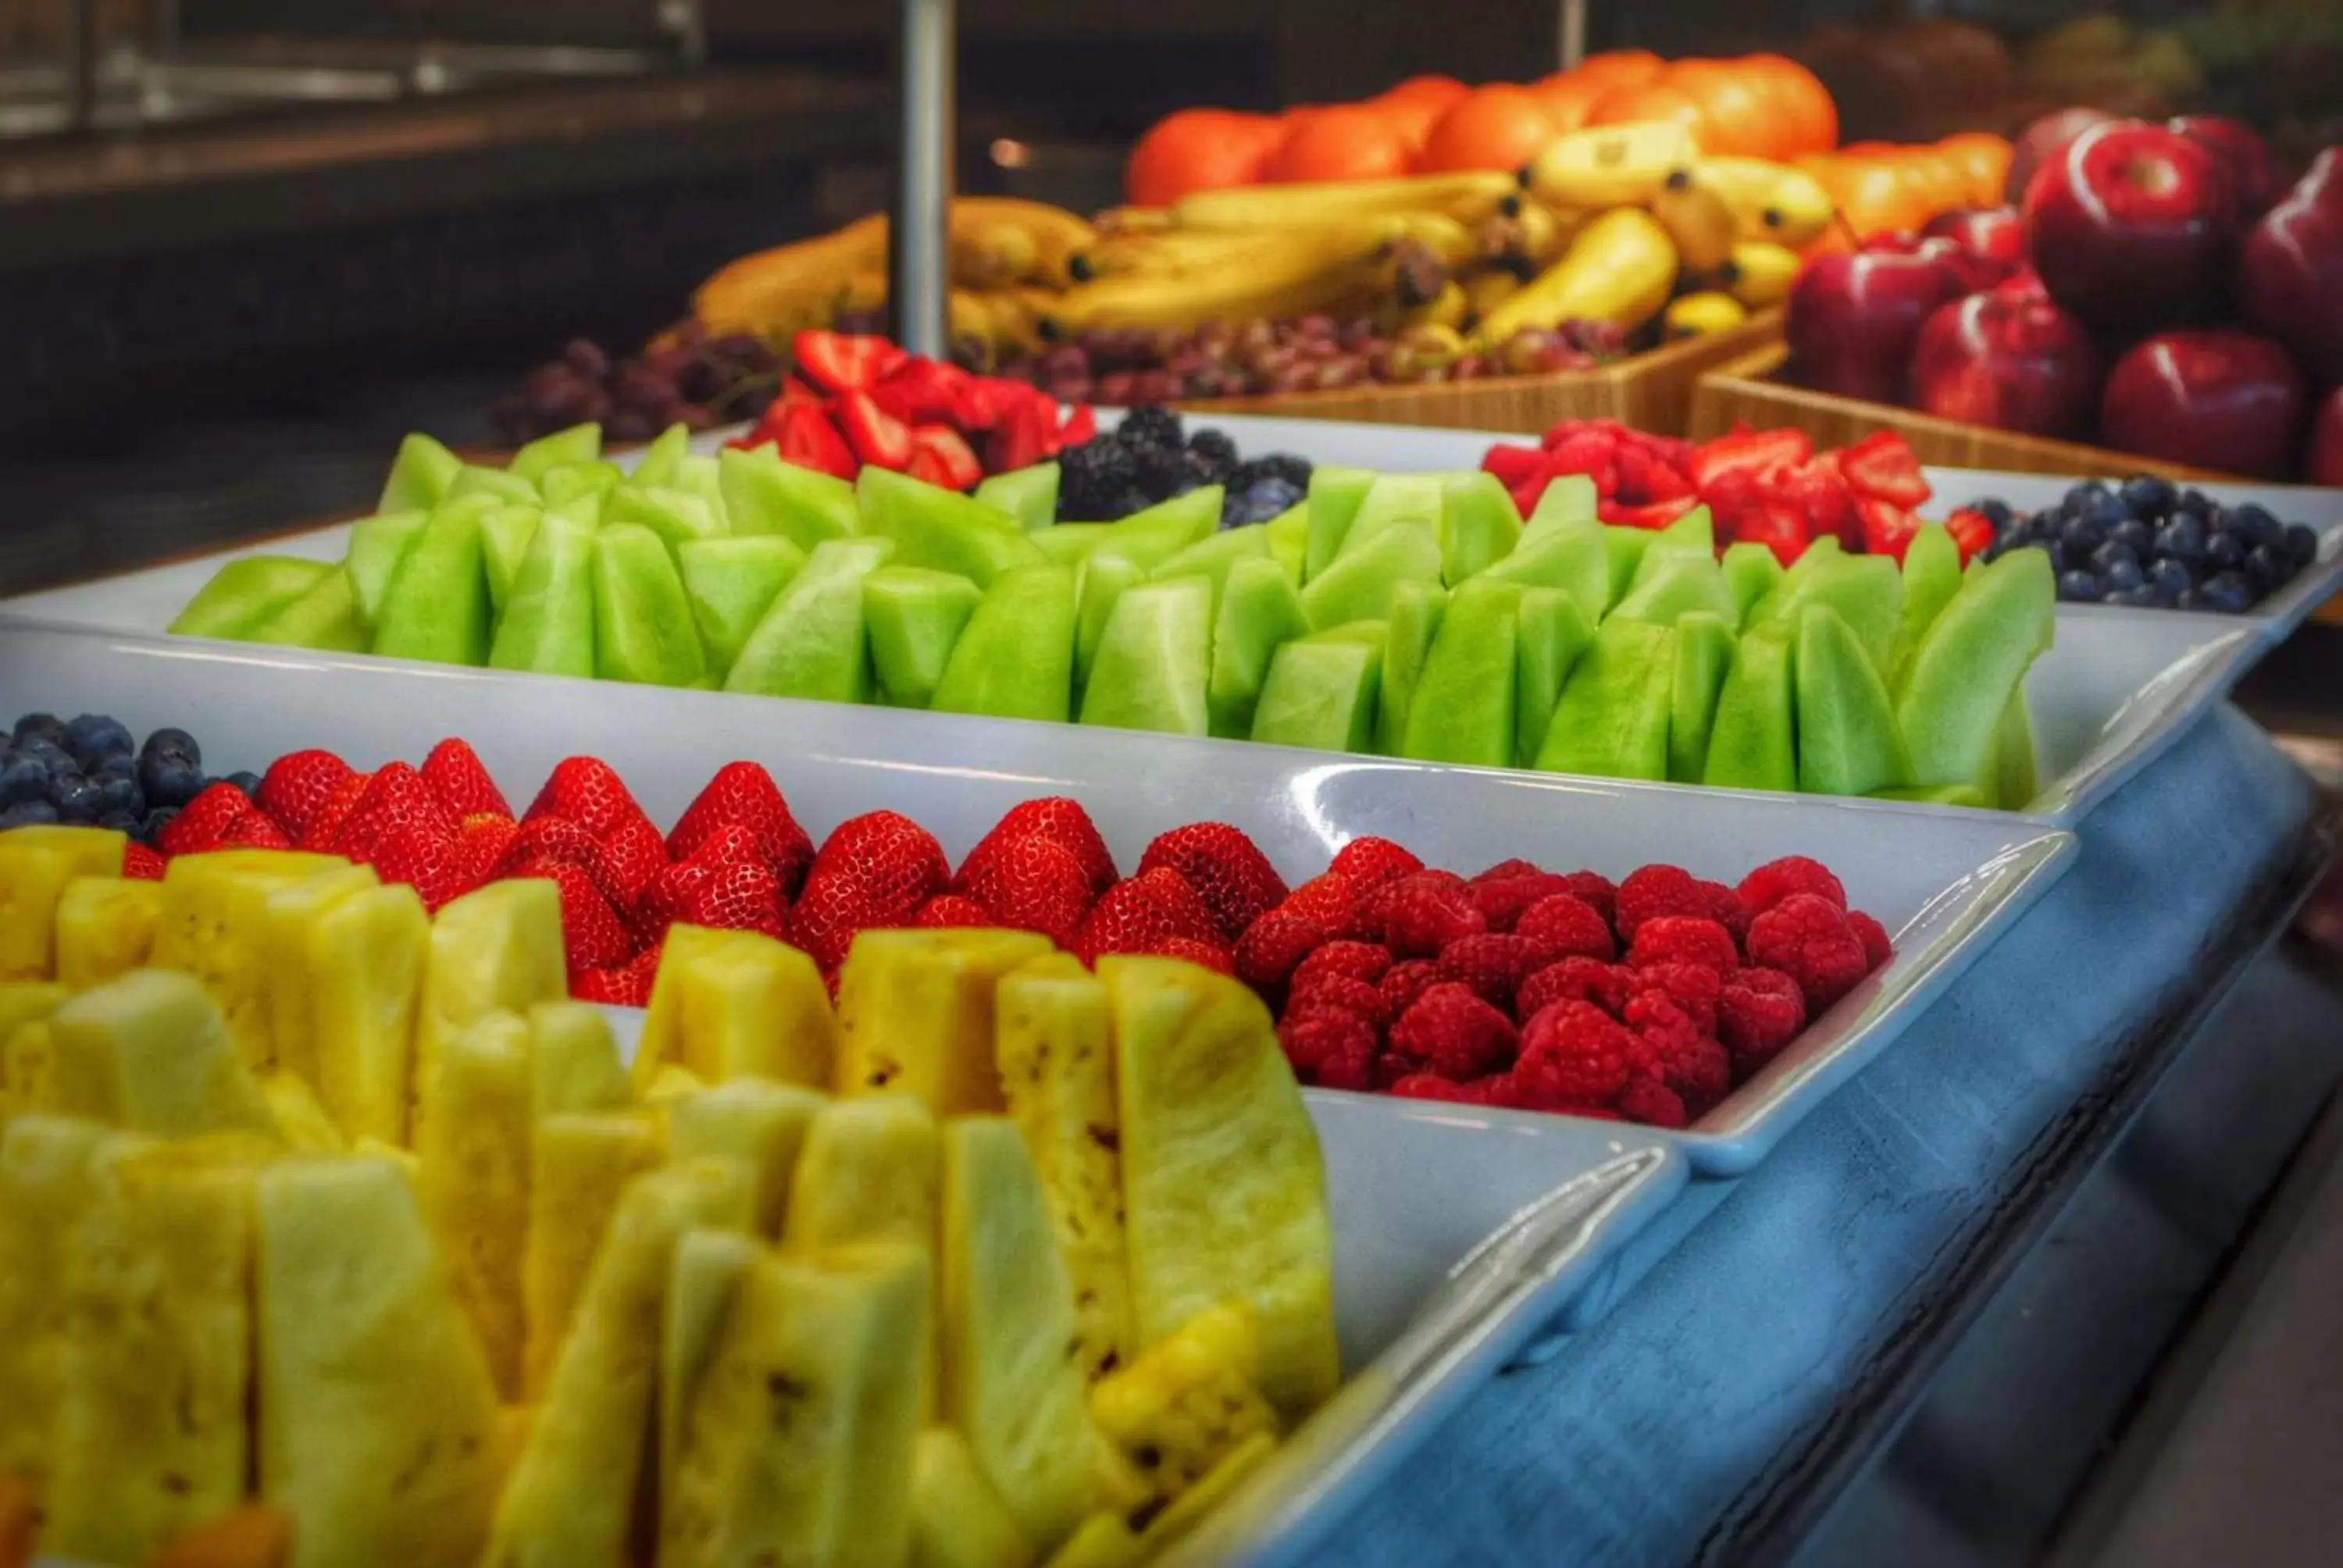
2041 141
1853 318
2290 269
1996 233
2009 359
2133 227
2213 398
2322 460
2253 173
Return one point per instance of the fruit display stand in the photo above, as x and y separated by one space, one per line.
1653 390
1747 390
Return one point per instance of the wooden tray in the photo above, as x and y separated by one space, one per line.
1650 391
1742 390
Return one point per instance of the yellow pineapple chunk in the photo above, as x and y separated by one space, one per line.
706 1275
473 1181
867 1172
52 1170
307 1127
797 1442
28 1063
672 1083
571 1493
35 865
1121 1540
292 910
365 957
149 1052
915 1013
1012 1376
958 1520
575 1061
1183 1407
379 1432
496 949
1224 1189
756 1122
737 1004
215 926
1055 1045
22 1002
150 1418
105 927
578 1166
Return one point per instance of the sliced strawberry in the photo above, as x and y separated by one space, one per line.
922 391
325 829
205 822
592 935
458 775
743 795
1887 528
876 436
1746 450
1820 491
396 796
1079 426
805 437
1515 466
1024 434
297 785
843 361
1656 516
1971 529
584 790
627 986
416 853
1882 466
942 445
1778 525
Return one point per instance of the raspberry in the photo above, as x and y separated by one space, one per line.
1598 892
1566 925
1454 1032
1327 1044
1406 980
1774 881
1330 902
1652 1103
1877 947
1341 990
1423 912
1692 987
1809 940
1209 955
1227 870
1725 908
1689 1061
1573 1053
1431 1086
1273 946
1494 964
1758 1013
1682 939
1369 862
1656 891
1575 979
1506 871
1501 900
1353 960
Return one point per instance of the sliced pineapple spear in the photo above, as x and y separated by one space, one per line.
579 1166
51 1172
150 1434
365 958
1055 1046
1224 1189
958 1520
1189 1401
36 864
105 927
760 1125
215 926
1124 1540
574 1060
149 1052
24 1004
798 1438
292 910
494 950
380 1431
868 1172
735 1004
472 1180
571 1493
915 1013
707 1272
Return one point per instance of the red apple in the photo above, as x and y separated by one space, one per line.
2009 359
2217 398
2253 173
1853 319
2132 227
2322 463
1991 242
2044 140
2290 270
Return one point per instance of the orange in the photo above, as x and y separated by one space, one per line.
1196 150
1495 127
1568 98
1801 96
1342 142
1735 119
1984 158
1624 106
1430 90
1620 68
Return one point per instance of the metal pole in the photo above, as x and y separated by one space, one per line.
1573 29
917 266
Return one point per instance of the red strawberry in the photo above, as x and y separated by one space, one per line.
628 986
457 775
141 864
1210 955
325 826
1140 915
1227 870
298 785
635 854
744 895
1331 902
952 909
1273 947
675 887
583 790
205 822
552 838
395 798
843 361
1972 531
592 935
948 460
1055 818
876 870
255 830
878 438
1032 884
744 795
805 437
484 839
419 855
1369 862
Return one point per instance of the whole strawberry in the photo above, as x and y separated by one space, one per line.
1062 821
206 821
457 775
1227 870
875 870
586 791
1032 884
395 798
593 937
1142 913
297 785
743 795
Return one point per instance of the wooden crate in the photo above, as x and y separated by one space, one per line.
1745 390
1650 391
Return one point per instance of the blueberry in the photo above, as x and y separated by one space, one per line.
119 795
2107 555
248 782
2123 573
169 780
76 799
2169 579
24 779
2190 598
2134 535
2255 523
2147 495
2225 593
119 822
2057 554
2226 549
2302 543
120 767
92 737
2109 512
2266 568
2181 537
28 814
2079 588
2142 597
42 725
1995 511
173 743
156 821
2196 504
2082 535
2082 497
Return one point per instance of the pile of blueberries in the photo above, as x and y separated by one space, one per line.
93 771
2148 543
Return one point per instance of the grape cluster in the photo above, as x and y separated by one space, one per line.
90 771
1151 457
2148 543
1125 367
681 375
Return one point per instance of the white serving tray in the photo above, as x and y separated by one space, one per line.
1946 882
